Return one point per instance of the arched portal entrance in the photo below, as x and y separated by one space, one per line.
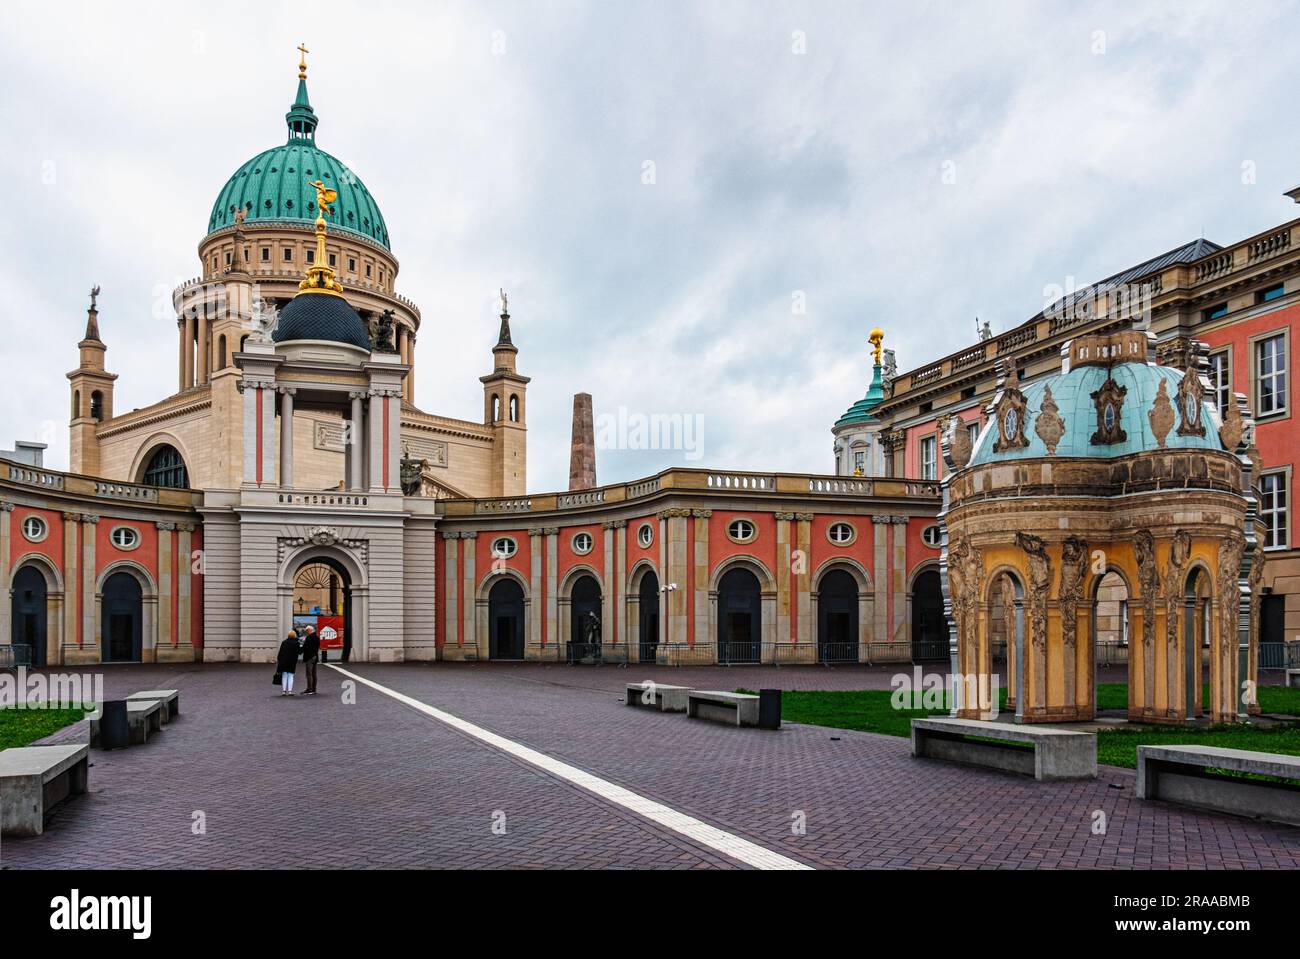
837 618
1110 631
586 627
322 597
29 621
122 619
1005 605
506 620
929 628
740 617
648 616
1196 637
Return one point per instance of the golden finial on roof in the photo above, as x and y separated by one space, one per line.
876 338
302 63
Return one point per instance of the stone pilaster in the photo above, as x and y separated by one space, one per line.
166 623
700 571
535 592
469 583
803 579
180 647
881 572
785 605
71 594
6 606
898 578
554 641
89 641
354 444
286 436
673 526
451 605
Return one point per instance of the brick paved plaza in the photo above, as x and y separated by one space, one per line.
312 782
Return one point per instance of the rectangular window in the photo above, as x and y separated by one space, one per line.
927 406
266 254
1214 312
1270 375
332 263
1272 293
367 271
1221 380
311 256
929 462
1273 509
860 462
352 265
288 255
974 430
968 393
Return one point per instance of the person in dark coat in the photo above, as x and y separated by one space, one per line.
310 655
286 663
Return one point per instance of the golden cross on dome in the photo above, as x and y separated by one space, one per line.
302 64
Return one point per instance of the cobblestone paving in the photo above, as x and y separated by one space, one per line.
311 782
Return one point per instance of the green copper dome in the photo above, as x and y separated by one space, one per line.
274 185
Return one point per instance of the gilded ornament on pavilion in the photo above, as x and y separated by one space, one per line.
1049 427
1161 414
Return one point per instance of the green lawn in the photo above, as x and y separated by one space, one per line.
22 727
871 711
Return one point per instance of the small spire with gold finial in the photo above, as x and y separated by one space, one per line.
302 63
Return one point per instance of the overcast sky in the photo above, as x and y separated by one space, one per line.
909 165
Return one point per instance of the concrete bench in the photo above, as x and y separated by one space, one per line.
1048 753
142 718
34 779
668 699
170 699
736 709
1181 774
1293 678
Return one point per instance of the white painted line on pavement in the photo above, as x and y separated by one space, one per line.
737 848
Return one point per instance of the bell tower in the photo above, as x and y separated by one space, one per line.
504 412
92 396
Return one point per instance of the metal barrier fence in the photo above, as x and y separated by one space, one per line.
1112 654
1279 655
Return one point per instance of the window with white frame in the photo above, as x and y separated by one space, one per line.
841 534
125 537
35 529
645 535
973 431
1273 509
1270 375
860 462
929 462
582 544
741 530
503 547
931 536
1221 380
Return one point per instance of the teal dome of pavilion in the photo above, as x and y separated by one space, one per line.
860 412
1081 400
273 186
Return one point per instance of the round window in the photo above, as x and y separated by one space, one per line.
582 544
125 537
841 534
645 535
742 530
503 547
35 528
930 536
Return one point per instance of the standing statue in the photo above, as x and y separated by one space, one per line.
591 629
384 333
505 303
265 319
94 295
324 197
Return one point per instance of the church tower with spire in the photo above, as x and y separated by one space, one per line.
92 395
504 412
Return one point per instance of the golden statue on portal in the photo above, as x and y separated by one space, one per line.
876 338
325 197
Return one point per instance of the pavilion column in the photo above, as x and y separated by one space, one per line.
201 335
354 444
375 441
410 361
187 361
6 606
269 468
286 436
180 352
